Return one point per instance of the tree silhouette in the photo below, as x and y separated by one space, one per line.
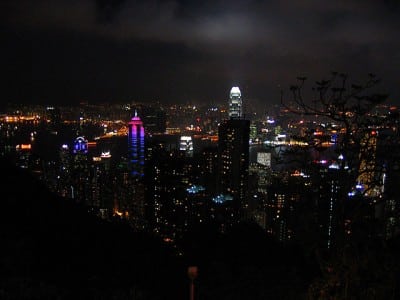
351 267
350 107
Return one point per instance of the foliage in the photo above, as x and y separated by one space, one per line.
351 108
362 265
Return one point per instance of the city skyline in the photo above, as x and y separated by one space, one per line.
184 51
260 199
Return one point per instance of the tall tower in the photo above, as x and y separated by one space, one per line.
233 158
136 145
235 103
80 187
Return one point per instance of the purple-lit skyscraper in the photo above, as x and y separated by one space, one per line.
136 145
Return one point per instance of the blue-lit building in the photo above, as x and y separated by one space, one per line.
80 187
80 145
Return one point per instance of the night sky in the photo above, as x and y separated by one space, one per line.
67 51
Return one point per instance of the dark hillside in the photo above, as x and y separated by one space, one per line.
53 249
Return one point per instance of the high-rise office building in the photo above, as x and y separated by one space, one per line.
136 145
287 205
388 156
186 145
64 177
80 187
330 204
154 119
233 162
166 180
233 158
53 116
235 103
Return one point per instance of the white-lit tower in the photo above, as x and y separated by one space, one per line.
235 103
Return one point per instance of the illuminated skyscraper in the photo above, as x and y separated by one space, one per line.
330 206
80 187
235 103
186 145
80 145
233 162
136 145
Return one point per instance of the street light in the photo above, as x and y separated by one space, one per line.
192 273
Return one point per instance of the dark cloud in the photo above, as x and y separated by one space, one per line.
107 10
186 50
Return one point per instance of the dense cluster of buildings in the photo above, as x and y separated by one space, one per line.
167 169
